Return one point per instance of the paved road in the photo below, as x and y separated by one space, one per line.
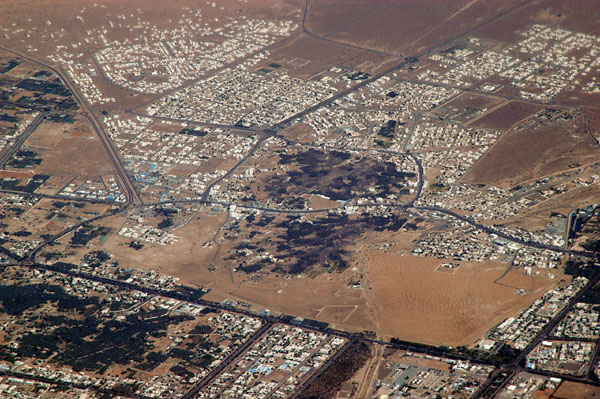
254 148
59 197
9 151
133 199
230 359
126 183
123 177
406 207
33 254
516 364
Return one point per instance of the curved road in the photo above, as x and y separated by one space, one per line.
125 182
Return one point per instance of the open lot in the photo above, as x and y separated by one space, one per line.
529 153
414 302
359 24
506 116
425 172
570 389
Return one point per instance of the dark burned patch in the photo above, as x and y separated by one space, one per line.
320 244
335 174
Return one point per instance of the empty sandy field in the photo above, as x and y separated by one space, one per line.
48 135
529 154
325 298
507 115
187 259
414 302
569 389
366 24
79 150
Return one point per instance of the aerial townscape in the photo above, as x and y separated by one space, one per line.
300 199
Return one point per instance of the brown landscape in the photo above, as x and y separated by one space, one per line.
521 155
414 302
390 186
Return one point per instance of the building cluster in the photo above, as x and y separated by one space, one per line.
105 188
10 133
24 388
148 233
97 265
159 60
63 376
452 164
529 386
83 74
546 62
583 321
461 241
156 158
153 60
566 357
238 95
490 202
415 376
275 365
431 135
520 331
393 92
12 206
556 58
17 245
338 126
377 115
121 128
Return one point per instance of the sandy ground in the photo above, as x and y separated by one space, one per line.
79 151
325 298
504 117
512 160
366 24
568 390
401 296
412 301
48 135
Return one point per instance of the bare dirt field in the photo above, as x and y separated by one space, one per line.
321 55
593 119
63 12
466 107
79 151
366 24
48 135
559 13
400 296
187 259
568 390
504 117
413 302
527 154
324 297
